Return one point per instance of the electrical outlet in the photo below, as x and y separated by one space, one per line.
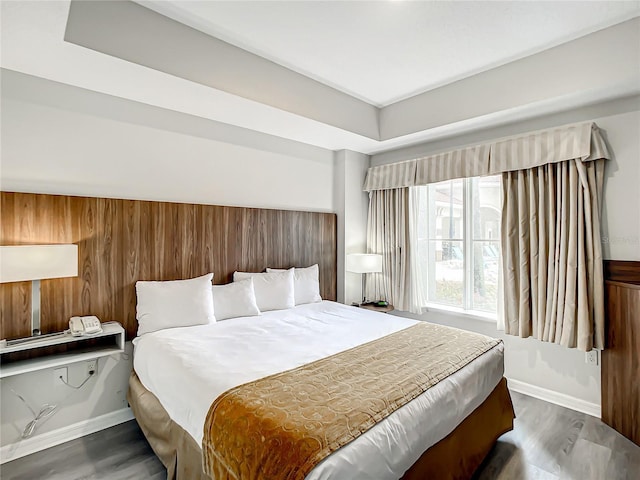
57 373
92 367
591 357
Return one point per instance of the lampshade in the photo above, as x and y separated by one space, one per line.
37 262
364 263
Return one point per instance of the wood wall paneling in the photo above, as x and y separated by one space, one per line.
621 358
622 271
122 241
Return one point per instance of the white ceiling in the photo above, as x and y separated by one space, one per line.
385 51
376 51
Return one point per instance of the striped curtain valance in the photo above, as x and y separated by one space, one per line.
581 141
392 175
462 163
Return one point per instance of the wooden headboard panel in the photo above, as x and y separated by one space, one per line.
122 241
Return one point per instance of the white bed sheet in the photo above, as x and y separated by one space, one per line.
187 368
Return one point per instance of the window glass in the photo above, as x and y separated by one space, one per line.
446 209
446 278
459 242
485 276
486 207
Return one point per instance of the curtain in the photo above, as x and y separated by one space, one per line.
391 232
552 184
551 253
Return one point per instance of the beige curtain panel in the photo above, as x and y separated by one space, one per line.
578 141
393 217
551 253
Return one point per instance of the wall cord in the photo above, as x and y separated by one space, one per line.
47 409
45 412
73 386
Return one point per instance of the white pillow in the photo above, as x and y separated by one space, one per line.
274 291
236 299
306 282
177 303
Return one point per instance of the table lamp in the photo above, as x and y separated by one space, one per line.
364 263
37 262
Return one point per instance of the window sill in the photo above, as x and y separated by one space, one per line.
469 314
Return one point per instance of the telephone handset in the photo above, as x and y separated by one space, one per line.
80 326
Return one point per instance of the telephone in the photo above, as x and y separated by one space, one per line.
80 326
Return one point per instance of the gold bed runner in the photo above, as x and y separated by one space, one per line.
280 427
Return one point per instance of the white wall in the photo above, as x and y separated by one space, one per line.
64 140
544 365
103 394
352 205
621 206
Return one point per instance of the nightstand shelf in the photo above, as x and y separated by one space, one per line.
109 342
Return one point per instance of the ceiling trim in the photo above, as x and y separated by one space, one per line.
594 68
137 34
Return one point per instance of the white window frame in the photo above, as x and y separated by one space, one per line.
467 243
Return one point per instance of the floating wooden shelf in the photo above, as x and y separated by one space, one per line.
61 349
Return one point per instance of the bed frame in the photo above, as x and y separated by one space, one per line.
455 457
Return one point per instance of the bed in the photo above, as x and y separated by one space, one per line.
443 433
121 242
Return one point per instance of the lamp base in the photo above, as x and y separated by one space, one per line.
35 308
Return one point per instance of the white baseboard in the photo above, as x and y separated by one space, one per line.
550 396
64 434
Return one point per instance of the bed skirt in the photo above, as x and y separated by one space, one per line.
454 457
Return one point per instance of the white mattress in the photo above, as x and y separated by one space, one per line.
187 368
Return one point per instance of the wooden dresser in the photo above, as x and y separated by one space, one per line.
621 357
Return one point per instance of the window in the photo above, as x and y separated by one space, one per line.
459 242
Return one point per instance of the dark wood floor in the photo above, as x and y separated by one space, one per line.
548 442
